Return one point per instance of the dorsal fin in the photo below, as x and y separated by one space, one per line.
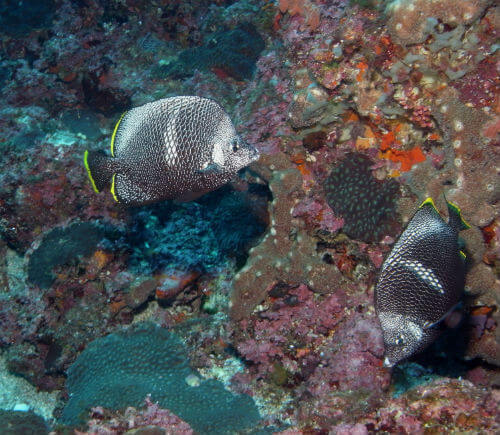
429 201
455 219
113 136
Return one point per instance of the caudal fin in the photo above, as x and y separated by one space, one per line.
455 219
100 169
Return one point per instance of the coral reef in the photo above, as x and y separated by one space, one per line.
233 52
58 247
282 255
151 419
366 204
197 235
121 369
360 110
17 422
29 15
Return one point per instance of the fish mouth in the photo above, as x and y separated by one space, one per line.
254 153
388 363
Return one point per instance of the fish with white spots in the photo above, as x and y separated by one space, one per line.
174 148
421 281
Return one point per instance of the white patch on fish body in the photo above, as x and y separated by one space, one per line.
170 138
415 330
424 273
218 154
409 236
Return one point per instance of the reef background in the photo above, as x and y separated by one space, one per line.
360 109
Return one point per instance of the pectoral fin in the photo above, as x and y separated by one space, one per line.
211 168
429 324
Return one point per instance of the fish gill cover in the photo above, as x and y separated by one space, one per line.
122 368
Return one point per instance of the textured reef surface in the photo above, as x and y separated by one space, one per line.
249 310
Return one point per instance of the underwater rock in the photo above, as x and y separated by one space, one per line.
106 100
200 235
148 420
286 252
21 422
20 18
83 122
411 21
234 52
59 246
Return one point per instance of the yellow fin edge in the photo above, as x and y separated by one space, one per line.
113 188
113 136
430 201
462 254
86 163
457 208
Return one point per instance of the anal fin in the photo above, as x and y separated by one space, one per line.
126 191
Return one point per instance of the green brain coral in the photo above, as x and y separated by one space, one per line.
121 369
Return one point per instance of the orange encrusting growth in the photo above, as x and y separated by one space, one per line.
303 8
362 67
407 158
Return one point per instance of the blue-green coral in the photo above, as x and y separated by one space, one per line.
121 369
367 205
201 234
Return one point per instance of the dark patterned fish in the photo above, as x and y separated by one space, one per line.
421 281
174 148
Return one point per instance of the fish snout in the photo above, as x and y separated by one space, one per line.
254 152
388 363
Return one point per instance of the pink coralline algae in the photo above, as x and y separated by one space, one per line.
295 324
314 346
150 419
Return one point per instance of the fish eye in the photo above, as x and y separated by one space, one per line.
400 340
236 145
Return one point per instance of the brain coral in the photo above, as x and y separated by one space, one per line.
121 369
366 204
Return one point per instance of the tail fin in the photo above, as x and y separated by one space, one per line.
455 219
100 169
